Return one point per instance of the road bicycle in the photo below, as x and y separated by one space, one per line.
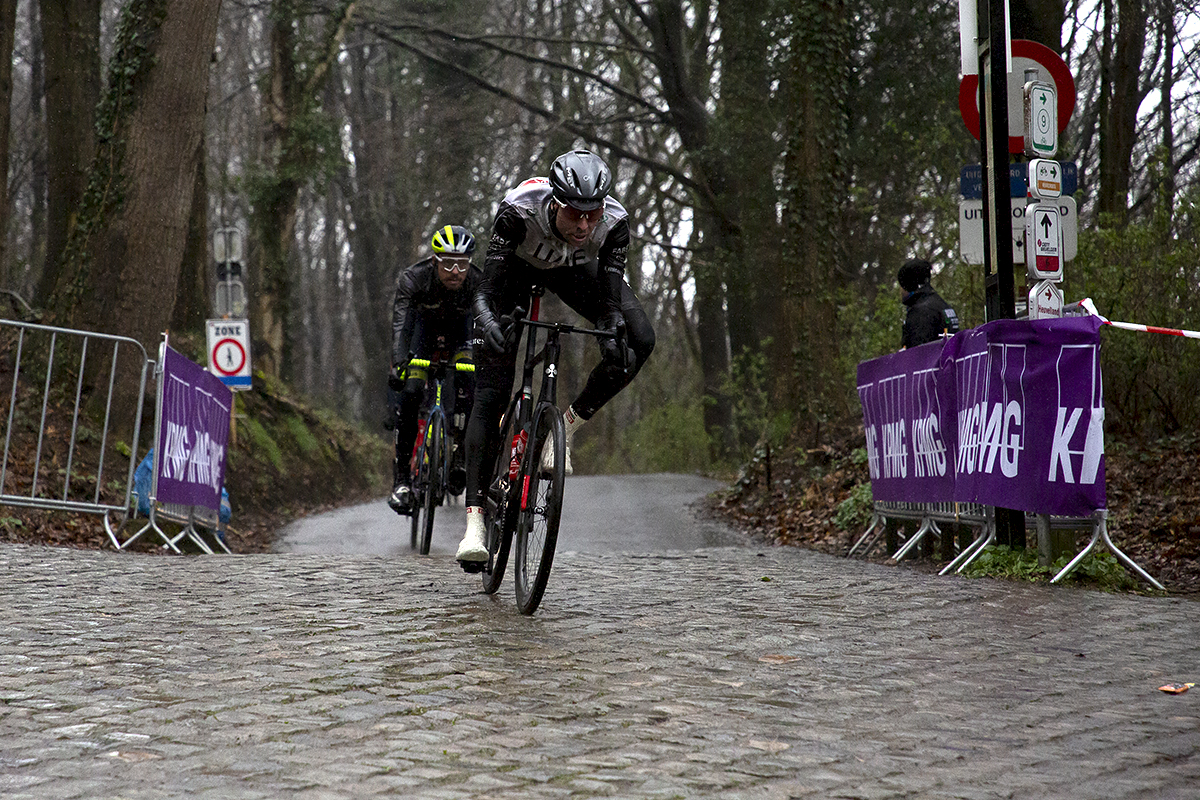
430 465
525 496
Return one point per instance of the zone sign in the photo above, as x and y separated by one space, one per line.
229 351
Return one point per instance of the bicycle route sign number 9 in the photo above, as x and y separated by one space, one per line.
229 352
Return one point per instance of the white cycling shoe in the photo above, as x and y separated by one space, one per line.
573 422
548 458
474 542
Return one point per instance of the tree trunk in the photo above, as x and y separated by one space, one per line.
1122 96
36 257
744 136
376 222
192 300
124 256
71 48
8 22
816 182
715 239
1167 125
293 110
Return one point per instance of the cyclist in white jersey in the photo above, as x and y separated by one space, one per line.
565 233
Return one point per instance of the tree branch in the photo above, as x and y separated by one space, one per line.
579 130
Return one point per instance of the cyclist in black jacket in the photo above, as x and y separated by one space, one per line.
928 315
431 314
565 233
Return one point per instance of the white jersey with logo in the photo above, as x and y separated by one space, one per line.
541 247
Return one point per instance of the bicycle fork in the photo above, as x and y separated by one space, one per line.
546 396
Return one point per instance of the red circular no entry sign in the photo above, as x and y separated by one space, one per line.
1051 68
228 357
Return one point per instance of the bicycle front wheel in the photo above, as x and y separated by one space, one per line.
435 474
500 506
417 501
542 496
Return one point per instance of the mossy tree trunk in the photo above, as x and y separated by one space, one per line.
815 187
125 254
71 60
8 21
302 145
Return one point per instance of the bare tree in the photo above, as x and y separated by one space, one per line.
299 147
8 24
1121 94
125 254
71 51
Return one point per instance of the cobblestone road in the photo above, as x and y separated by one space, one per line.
730 672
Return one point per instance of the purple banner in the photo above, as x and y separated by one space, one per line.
1019 404
193 434
906 417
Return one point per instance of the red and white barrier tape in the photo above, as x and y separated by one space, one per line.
1087 305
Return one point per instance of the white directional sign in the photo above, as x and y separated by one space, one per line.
1041 120
1045 301
970 229
1043 242
1045 178
229 351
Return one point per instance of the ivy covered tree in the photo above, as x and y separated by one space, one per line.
124 255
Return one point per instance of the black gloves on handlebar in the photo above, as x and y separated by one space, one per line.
498 335
396 378
615 352
493 334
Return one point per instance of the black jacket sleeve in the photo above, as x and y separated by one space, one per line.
508 231
612 266
403 312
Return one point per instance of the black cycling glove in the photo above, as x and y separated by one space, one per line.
396 378
615 352
491 332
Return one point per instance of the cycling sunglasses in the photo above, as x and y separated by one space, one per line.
453 265
575 215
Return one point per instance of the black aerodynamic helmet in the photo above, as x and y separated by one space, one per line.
580 179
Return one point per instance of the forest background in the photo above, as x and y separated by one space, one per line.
779 159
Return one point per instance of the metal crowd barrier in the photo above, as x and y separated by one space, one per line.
928 514
195 521
983 518
70 479
61 361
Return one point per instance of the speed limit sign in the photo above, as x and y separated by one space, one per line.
229 351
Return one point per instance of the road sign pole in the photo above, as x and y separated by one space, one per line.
997 203
1000 300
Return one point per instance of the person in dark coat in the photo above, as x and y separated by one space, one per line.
928 315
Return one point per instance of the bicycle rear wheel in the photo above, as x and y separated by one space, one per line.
434 466
500 506
537 525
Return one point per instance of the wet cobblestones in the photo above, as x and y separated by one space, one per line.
727 672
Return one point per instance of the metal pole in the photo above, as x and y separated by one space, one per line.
997 200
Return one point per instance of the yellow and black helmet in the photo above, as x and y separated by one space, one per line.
454 240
